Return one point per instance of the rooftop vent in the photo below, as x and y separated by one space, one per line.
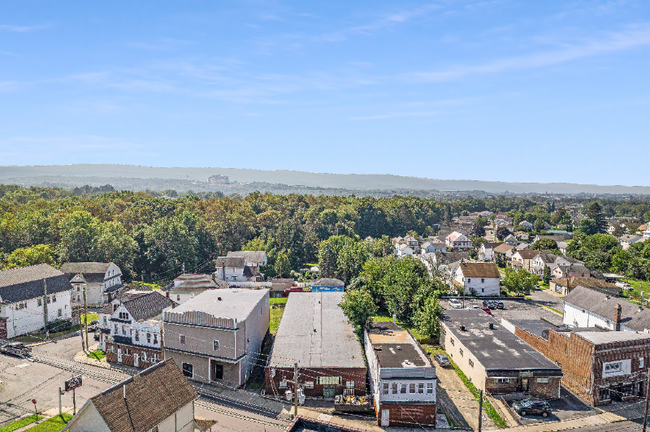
491 326
399 348
219 298
462 327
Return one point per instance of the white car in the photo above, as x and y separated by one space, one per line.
455 304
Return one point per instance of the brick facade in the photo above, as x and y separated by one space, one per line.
407 414
582 364
152 356
308 376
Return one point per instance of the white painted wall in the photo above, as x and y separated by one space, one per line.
88 419
25 320
483 286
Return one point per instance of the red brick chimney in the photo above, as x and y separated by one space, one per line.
617 317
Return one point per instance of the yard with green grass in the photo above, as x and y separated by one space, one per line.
41 336
277 309
97 355
639 293
91 317
20 423
54 424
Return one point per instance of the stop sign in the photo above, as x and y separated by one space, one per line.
34 401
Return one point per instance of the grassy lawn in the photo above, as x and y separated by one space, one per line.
641 290
487 406
41 336
97 355
278 300
382 318
138 284
91 317
276 316
20 423
55 424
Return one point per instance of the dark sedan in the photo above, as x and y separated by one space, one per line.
532 406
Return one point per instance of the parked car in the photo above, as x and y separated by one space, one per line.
293 289
538 288
96 336
442 360
455 304
491 304
500 305
17 349
532 406
93 326
486 310
472 307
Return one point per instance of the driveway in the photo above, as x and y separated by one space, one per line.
457 401
546 298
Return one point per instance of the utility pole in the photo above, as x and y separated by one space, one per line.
162 343
647 398
81 331
480 411
60 394
74 403
295 390
45 305
86 317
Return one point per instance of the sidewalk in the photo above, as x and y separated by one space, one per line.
596 420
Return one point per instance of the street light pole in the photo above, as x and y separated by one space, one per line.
480 411
647 398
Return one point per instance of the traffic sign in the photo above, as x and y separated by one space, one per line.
73 383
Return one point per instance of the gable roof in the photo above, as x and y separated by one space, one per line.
92 271
456 236
574 268
249 256
633 316
530 253
147 306
151 396
547 258
328 282
480 270
26 283
233 262
587 282
503 248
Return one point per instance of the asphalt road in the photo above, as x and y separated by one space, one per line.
24 380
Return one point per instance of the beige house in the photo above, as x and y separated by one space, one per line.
216 336
157 399
103 281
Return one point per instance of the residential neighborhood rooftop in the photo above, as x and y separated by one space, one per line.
223 303
480 270
395 347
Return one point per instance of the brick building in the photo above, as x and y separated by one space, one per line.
598 365
494 359
316 334
402 378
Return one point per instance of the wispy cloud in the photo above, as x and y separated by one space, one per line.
163 44
386 20
20 29
633 36
401 115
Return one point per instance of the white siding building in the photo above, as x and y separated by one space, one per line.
482 278
32 298
103 281
402 378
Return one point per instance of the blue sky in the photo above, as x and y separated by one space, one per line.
527 91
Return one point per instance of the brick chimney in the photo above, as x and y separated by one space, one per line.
617 317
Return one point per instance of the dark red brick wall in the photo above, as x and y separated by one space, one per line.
582 362
111 357
408 414
358 375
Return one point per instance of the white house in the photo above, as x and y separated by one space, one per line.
233 269
253 260
433 247
403 249
157 399
31 298
486 252
458 242
103 281
131 334
584 307
187 286
526 224
483 278
402 378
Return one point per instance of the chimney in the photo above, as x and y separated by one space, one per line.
617 317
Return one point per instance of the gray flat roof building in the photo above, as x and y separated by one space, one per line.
315 332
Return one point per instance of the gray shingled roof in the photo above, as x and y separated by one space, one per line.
249 256
233 262
632 316
328 282
26 283
147 306
92 271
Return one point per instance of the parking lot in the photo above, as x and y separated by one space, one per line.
567 407
520 309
